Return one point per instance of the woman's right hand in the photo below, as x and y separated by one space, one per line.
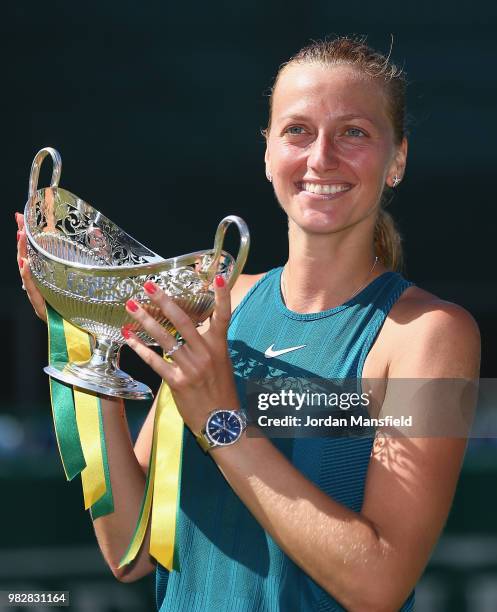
35 297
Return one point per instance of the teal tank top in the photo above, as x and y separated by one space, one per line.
228 563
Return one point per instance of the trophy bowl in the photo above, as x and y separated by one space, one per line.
87 268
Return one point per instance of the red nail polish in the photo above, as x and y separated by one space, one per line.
150 287
21 263
18 235
125 331
219 280
132 305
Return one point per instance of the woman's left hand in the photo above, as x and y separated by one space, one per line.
200 373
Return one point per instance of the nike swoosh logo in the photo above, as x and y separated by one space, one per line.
270 352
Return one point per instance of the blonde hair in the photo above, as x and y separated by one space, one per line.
355 52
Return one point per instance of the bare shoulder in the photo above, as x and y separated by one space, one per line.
242 286
418 311
433 337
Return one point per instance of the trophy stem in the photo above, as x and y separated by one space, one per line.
105 353
101 373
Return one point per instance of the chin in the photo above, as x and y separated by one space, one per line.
320 222
329 217
319 227
322 230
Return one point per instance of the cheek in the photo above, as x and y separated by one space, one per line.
368 165
286 159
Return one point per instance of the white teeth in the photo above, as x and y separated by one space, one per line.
322 189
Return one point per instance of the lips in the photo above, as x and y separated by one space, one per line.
323 191
324 188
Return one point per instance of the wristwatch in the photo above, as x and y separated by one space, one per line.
222 428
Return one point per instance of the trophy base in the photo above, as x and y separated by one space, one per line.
108 381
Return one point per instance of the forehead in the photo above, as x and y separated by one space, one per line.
329 91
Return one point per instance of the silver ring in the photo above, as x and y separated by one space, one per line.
23 287
174 348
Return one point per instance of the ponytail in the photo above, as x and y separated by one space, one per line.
387 241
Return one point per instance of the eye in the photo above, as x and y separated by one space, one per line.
295 130
353 131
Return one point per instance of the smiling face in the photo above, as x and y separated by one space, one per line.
331 147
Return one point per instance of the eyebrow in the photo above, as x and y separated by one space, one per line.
298 117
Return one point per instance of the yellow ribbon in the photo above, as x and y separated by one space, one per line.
167 481
163 479
86 406
161 497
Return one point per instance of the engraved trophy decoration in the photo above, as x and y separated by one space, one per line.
86 268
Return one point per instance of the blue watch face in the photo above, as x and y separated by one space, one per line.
224 427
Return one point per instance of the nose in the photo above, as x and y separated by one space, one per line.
323 155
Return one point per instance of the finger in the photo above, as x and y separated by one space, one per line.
176 315
34 296
22 244
156 362
18 237
183 356
221 316
19 220
154 329
180 357
22 249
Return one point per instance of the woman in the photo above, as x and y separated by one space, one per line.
304 524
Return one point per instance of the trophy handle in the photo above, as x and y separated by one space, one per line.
243 249
36 165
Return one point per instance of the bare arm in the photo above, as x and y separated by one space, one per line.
127 475
128 468
369 560
115 530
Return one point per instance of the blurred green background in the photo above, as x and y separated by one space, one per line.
156 109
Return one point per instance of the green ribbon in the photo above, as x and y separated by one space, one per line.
105 505
64 416
66 428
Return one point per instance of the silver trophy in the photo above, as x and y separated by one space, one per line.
86 268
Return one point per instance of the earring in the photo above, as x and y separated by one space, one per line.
269 176
396 181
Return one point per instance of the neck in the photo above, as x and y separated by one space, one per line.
324 271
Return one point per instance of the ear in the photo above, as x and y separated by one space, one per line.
402 155
269 174
399 162
266 158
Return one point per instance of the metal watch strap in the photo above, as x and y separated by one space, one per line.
204 442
